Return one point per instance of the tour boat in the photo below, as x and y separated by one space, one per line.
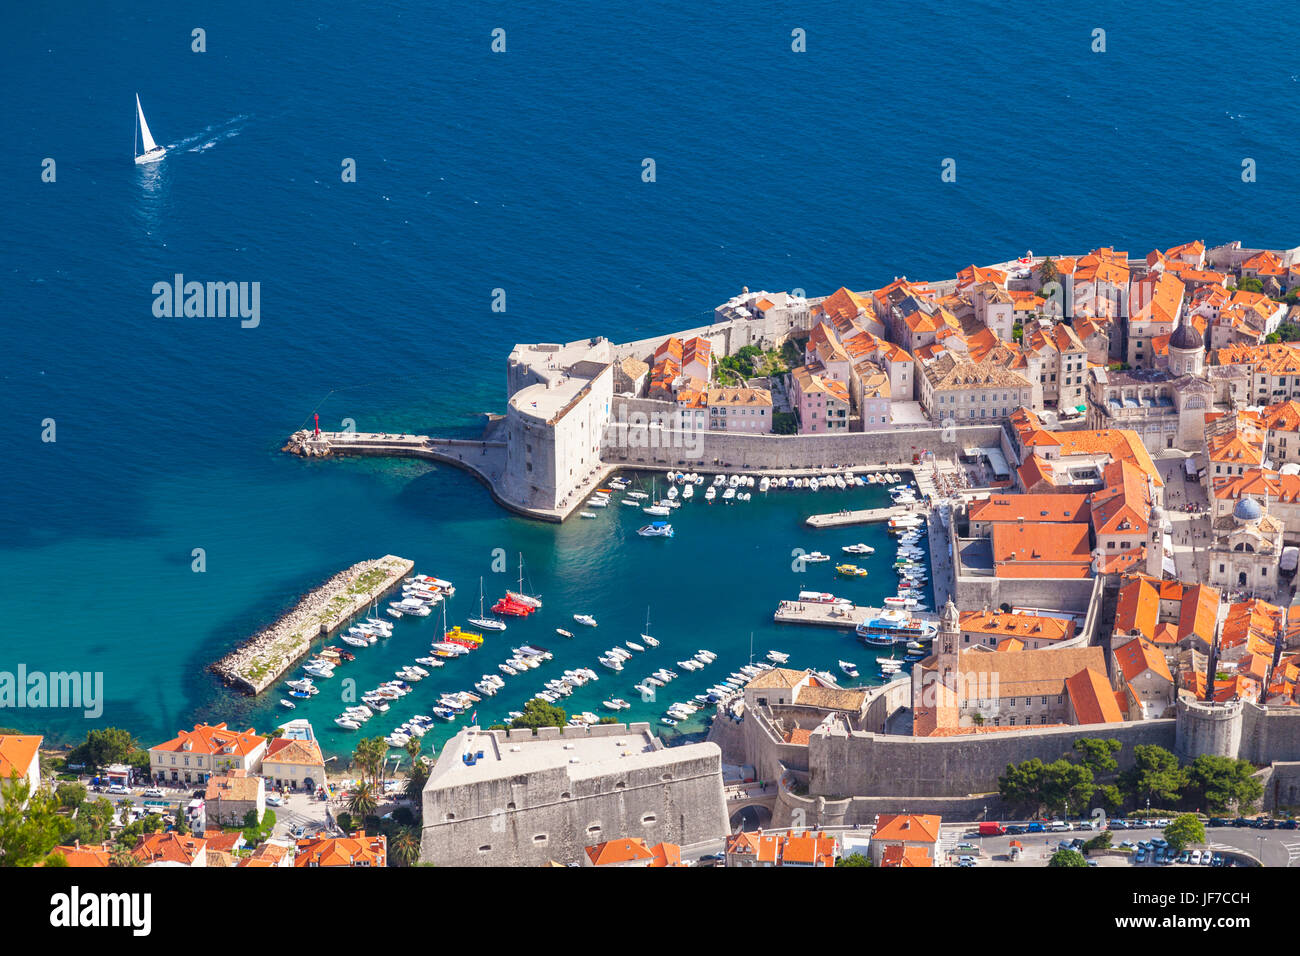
858 549
152 151
656 529
586 619
850 571
849 668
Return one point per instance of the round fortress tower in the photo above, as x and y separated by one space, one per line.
1203 728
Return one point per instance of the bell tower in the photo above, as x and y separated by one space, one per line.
948 649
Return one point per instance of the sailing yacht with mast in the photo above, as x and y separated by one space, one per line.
519 596
645 637
482 621
152 151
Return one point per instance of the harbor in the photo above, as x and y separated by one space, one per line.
263 658
846 616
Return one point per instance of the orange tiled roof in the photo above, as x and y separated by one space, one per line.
1138 656
907 828
1092 698
17 752
213 740
627 850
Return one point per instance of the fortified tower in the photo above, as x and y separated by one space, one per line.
1204 728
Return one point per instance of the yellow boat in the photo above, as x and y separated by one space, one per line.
457 634
850 571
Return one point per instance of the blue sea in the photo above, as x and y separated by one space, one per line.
520 171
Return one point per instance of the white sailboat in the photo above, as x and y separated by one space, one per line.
152 151
483 620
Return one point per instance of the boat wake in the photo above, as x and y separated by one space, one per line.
212 135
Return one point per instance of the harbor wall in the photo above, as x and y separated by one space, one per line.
843 763
794 810
716 450
261 660
974 591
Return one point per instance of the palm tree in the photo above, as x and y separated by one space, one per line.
362 802
415 782
413 748
405 846
121 856
369 756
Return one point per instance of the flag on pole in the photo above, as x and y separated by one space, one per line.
473 718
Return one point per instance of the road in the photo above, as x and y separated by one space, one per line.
1275 848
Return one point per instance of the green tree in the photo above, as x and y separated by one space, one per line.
784 423
1217 784
1184 829
1250 284
1022 785
538 713
1067 858
1155 776
853 859
369 757
103 747
361 801
55 859
1098 755
415 781
1066 785
121 856
29 822
70 795
1101 841
405 846
1047 271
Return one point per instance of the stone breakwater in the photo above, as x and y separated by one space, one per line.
262 659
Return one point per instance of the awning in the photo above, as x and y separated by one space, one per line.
1081 409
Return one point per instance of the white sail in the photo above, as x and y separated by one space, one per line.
145 136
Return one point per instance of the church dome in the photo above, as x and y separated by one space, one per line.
1186 338
1248 509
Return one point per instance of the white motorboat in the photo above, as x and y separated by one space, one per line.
688 492
638 495
710 493
858 549
287 704
777 657
633 645
729 494
586 619
812 557
347 723
586 514
849 668
764 484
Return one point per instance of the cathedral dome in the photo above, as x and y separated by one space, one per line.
1186 338
1247 509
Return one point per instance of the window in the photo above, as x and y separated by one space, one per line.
485 848
540 838
648 819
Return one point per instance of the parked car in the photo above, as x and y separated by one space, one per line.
1119 824
967 861
1287 824
1219 822
1128 845
1185 856
1034 827
1140 856
274 800
1016 830
1218 860
154 792
118 789
1160 822
715 857
1059 826
1206 859
1241 822
1196 858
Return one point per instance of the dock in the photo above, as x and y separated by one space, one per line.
261 660
837 519
834 615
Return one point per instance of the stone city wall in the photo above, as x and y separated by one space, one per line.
843 764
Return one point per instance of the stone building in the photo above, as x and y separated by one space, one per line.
509 798
1247 548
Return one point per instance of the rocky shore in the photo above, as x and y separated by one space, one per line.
262 659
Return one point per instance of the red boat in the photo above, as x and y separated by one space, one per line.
513 608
